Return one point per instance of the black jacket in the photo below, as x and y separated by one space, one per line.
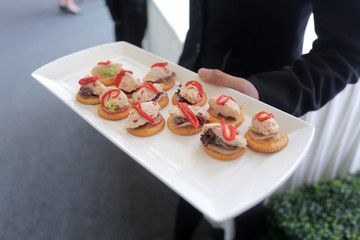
262 40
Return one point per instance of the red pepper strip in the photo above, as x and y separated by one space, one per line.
138 108
261 119
150 86
108 93
160 65
219 102
120 75
232 129
188 114
197 85
88 80
104 63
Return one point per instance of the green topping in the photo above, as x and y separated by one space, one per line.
255 131
107 71
111 107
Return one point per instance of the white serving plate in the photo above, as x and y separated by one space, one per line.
219 189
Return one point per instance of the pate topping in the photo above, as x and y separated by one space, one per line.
239 141
190 93
229 109
176 112
95 87
265 127
146 94
115 98
157 73
135 119
128 82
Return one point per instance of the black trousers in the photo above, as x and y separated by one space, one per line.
247 224
130 19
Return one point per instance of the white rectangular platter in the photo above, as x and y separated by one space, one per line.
219 189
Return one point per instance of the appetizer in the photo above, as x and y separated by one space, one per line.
191 93
162 74
225 107
264 134
126 82
114 104
151 92
222 141
187 120
106 71
90 89
145 119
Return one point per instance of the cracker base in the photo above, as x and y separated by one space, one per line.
237 122
107 81
163 101
267 145
147 129
89 101
169 84
221 156
186 131
113 116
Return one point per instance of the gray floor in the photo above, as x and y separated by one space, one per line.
60 178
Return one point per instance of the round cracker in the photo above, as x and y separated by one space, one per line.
92 100
237 122
200 103
163 101
188 130
113 116
169 84
147 129
108 81
222 156
267 145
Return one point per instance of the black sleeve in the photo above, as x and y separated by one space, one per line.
334 61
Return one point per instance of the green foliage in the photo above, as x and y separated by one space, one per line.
324 210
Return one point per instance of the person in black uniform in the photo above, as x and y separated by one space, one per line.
255 47
130 20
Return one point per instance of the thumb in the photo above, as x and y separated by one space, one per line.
219 78
213 76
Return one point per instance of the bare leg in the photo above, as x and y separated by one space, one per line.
69 6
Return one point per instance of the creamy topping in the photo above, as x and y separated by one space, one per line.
129 83
114 98
266 127
175 111
106 71
157 73
145 94
135 120
229 109
190 93
95 87
239 141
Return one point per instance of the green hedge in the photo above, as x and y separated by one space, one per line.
324 210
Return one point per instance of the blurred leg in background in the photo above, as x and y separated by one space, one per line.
187 220
130 20
248 224
68 6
